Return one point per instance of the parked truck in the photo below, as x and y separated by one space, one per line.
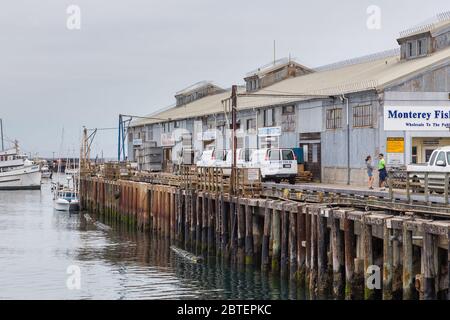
434 171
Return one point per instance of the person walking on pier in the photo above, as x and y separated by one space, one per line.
382 171
370 171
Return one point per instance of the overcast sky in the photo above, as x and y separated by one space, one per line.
131 56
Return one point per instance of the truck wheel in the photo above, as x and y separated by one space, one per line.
292 180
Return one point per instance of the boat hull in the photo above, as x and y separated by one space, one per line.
64 205
25 178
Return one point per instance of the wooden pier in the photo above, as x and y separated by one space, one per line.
332 249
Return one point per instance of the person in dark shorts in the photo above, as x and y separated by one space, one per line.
370 171
382 171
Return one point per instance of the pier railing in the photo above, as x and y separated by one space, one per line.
426 187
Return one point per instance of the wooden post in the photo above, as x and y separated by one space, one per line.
225 231
240 233
350 255
337 248
284 242
408 188
369 294
233 233
266 237
248 234
204 223
258 226
388 261
276 241
397 265
308 214
313 263
322 255
429 271
408 277
198 227
301 245
293 253
210 224
193 218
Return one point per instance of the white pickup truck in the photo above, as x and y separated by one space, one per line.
437 166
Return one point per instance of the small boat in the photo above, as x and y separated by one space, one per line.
46 173
66 200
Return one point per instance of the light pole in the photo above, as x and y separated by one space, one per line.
1 133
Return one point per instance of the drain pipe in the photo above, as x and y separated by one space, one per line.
344 98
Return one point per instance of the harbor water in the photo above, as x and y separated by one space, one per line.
46 254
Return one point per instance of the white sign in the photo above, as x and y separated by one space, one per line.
253 174
395 159
417 118
137 142
167 140
269 132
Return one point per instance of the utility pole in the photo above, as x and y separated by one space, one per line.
1 133
234 137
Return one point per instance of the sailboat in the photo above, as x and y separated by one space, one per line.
65 195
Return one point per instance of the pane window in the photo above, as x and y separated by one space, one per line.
362 116
334 118
315 153
287 155
274 155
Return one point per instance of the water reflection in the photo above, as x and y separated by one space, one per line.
37 245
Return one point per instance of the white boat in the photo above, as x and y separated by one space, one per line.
66 200
65 196
17 172
46 173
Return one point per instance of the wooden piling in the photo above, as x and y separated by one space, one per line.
388 261
301 246
284 242
429 271
322 255
293 254
313 262
350 255
366 232
248 234
266 237
407 276
337 249
276 241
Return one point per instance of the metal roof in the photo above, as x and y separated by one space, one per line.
374 74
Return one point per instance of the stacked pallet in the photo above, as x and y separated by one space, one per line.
304 176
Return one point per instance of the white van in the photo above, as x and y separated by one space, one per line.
275 164
211 158
242 158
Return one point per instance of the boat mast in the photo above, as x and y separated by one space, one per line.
1 133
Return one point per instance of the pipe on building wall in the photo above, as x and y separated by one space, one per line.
344 98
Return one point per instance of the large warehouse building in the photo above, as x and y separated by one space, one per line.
338 113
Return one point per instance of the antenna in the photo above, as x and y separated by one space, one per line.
274 55
1 133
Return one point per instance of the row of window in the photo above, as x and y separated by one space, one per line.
362 117
416 48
